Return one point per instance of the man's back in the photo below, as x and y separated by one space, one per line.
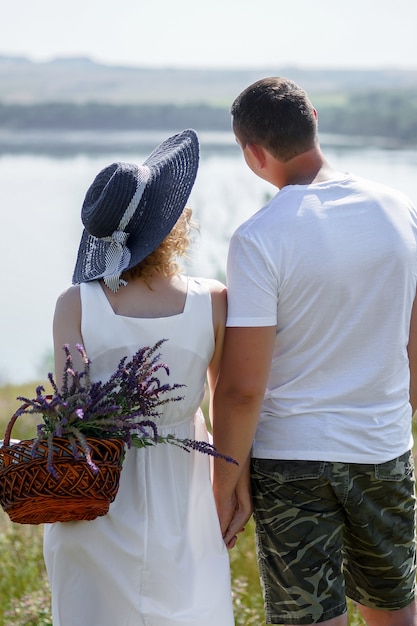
322 344
334 266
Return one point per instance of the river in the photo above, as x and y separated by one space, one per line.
41 192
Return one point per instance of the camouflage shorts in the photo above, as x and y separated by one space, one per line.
325 531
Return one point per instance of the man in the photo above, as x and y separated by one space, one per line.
315 380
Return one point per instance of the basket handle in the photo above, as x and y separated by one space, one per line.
8 431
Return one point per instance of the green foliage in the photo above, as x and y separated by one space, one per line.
389 114
24 591
385 114
25 427
246 590
112 117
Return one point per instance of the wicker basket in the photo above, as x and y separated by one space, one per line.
29 493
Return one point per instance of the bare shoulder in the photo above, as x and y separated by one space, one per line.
218 294
69 300
216 287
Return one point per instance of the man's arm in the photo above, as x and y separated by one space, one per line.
244 372
412 357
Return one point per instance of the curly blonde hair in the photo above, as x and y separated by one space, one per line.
163 259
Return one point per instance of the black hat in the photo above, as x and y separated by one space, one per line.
129 209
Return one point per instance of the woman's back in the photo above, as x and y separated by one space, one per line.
185 321
158 556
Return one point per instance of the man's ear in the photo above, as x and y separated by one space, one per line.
257 154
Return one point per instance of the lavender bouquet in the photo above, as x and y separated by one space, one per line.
125 407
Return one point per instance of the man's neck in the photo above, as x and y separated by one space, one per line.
305 169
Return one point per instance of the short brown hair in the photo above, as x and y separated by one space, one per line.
276 114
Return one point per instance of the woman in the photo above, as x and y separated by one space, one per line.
157 557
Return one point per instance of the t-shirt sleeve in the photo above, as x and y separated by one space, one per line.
251 283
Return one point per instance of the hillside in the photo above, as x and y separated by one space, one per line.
81 80
55 105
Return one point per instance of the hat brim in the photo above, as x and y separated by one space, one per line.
173 169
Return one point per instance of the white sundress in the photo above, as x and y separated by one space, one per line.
157 558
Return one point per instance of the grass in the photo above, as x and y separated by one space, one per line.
24 591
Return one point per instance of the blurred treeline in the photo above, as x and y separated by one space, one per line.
389 115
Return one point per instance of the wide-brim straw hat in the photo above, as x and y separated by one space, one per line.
129 209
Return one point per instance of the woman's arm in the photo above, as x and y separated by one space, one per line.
219 307
67 330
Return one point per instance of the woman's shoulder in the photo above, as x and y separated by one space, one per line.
213 285
67 309
217 292
74 293
70 296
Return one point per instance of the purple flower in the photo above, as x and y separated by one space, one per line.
125 407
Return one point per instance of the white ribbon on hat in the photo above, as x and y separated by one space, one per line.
117 258
118 254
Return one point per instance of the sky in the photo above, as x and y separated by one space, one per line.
221 34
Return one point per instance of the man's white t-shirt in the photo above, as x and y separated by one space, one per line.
333 266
